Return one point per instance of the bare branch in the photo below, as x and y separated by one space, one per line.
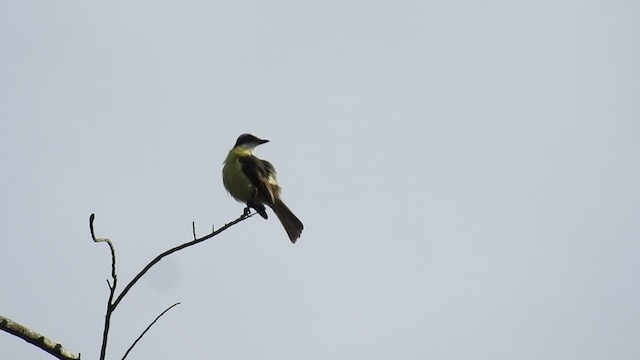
147 329
111 304
172 250
112 288
57 349
36 339
111 247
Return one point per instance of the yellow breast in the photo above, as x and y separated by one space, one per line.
235 181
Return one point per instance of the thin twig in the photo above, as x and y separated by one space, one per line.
107 323
112 288
147 329
171 251
111 247
193 227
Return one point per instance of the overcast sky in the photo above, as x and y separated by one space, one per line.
467 172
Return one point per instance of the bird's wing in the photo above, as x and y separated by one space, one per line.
259 171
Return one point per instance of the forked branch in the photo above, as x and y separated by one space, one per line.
56 349
113 304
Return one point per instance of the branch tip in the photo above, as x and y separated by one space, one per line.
147 329
91 218
171 251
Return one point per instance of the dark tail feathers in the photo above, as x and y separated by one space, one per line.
292 225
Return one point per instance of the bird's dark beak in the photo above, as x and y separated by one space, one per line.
262 141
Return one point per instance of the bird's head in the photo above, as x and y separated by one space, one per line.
248 141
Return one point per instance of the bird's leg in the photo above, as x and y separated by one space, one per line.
254 203
250 204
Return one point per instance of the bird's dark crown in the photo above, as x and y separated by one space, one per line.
249 140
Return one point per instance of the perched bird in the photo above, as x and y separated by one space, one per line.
253 181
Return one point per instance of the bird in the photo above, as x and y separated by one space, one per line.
252 181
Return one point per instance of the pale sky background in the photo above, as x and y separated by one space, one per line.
468 174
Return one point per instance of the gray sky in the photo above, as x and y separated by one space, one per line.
467 173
